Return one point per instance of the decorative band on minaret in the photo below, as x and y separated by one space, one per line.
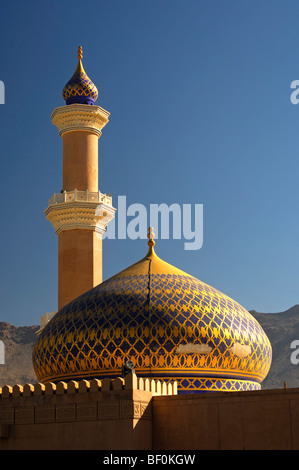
80 212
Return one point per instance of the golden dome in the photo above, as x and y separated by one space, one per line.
171 325
80 89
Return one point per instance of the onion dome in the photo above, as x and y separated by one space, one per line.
169 324
80 89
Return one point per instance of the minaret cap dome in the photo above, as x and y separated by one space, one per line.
80 89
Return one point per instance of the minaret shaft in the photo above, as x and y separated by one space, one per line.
80 161
79 263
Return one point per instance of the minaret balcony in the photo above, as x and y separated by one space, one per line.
76 209
81 196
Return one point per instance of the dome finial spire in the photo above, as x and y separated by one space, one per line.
80 53
151 242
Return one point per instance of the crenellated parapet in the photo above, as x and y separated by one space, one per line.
129 383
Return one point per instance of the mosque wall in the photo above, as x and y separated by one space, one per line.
134 414
254 420
85 415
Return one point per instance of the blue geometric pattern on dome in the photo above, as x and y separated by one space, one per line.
118 320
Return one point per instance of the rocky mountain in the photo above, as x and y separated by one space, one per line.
18 343
281 328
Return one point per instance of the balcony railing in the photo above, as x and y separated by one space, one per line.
81 196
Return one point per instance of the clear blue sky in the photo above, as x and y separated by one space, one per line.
199 96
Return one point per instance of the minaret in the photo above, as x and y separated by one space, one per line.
80 212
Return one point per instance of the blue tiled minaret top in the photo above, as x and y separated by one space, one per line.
80 89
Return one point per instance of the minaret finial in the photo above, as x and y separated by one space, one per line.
80 53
